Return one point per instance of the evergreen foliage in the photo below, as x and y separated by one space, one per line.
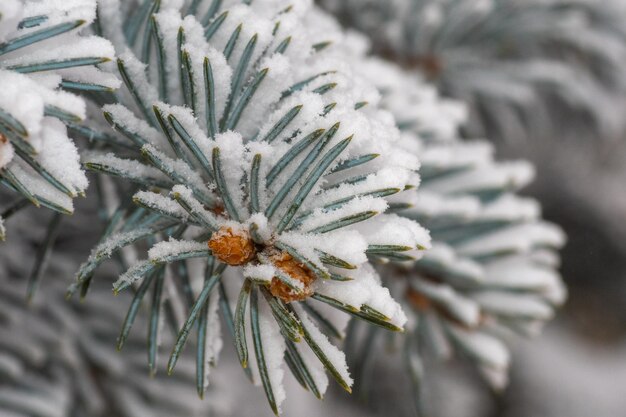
523 67
43 59
255 150
259 175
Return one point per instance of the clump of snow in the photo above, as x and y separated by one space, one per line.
396 230
136 71
348 245
58 11
123 116
21 96
335 356
59 156
364 290
161 203
41 188
232 151
263 229
315 368
279 77
321 218
261 272
82 47
312 106
176 167
173 247
134 274
197 209
114 242
128 167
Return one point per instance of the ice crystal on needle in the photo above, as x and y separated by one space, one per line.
41 54
277 171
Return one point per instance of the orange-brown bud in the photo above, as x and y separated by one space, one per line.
295 270
232 247
418 300
430 65
219 210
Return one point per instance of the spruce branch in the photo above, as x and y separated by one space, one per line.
265 181
492 268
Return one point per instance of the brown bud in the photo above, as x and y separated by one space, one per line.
232 247
219 210
430 65
295 270
418 300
